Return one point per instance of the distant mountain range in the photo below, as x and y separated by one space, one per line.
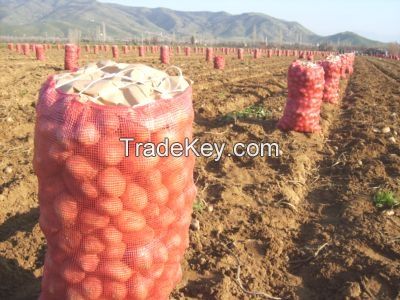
57 17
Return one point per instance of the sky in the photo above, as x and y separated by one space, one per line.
378 20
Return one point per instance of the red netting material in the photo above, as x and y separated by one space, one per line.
164 54
240 53
209 54
332 67
187 51
256 53
71 57
39 52
116 227
25 49
305 90
219 62
141 50
96 49
115 52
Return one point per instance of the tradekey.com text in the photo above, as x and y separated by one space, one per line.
215 150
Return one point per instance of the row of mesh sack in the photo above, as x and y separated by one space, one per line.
310 84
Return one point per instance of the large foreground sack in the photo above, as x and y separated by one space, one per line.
305 91
116 227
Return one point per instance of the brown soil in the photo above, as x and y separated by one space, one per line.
301 226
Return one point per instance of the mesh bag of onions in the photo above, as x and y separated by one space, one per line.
332 69
305 91
116 226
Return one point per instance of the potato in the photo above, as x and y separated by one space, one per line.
71 273
111 182
66 209
79 168
140 257
87 134
109 123
69 240
154 272
92 287
159 195
91 219
128 221
160 253
88 262
92 245
140 237
110 234
176 181
176 202
109 206
48 221
58 153
116 270
115 290
139 287
114 250
135 197
111 151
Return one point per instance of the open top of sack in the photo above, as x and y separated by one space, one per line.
111 83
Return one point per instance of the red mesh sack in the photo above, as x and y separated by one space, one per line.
164 54
71 57
256 53
10 46
240 53
58 47
116 227
125 49
332 67
115 52
187 51
209 54
141 50
40 52
18 48
25 49
96 49
219 62
87 48
305 91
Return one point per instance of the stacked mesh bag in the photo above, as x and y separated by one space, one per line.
116 226
332 69
305 91
219 62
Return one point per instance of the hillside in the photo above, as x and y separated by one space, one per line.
55 18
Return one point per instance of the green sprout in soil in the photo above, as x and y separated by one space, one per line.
385 199
251 112
198 206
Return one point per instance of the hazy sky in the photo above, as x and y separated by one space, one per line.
371 18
